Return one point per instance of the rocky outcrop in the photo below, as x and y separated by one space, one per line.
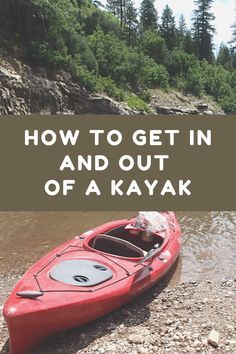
30 92
174 102
27 91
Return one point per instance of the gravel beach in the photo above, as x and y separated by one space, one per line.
166 319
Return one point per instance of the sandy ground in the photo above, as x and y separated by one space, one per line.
164 320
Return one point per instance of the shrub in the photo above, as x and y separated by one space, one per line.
194 82
156 76
136 103
180 62
145 95
154 46
228 103
126 66
93 17
51 58
86 78
108 86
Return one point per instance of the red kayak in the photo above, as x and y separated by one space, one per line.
86 278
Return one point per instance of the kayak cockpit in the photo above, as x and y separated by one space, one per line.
122 242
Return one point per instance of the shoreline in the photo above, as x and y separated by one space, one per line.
163 320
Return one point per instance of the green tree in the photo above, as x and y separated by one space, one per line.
118 9
224 57
153 45
182 29
148 15
188 43
233 41
131 22
203 30
168 28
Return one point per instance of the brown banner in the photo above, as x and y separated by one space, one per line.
118 163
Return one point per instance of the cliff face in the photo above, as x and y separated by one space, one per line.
24 91
27 91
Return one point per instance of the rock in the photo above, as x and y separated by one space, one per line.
32 92
213 338
136 338
143 350
190 111
125 312
197 343
173 102
112 347
163 109
232 342
202 106
208 112
111 326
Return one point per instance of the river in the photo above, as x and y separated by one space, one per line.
208 241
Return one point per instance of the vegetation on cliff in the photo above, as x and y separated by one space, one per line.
119 50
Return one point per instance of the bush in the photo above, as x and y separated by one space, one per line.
136 103
228 103
145 95
180 62
194 82
92 17
154 46
216 78
156 76
126 66
86 78
51 58
108 86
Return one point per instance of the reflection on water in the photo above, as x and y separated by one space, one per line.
209 240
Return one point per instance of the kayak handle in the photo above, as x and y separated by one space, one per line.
30 294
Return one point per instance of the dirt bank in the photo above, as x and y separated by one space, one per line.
165 320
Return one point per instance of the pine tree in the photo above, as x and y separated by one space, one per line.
168 28
233 41
182 29
131 21
148 15
224 57
187 43
118 9
203 30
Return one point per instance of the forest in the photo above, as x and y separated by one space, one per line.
120 49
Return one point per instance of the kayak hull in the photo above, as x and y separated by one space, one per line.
64 306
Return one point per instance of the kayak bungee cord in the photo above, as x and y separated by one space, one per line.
79 249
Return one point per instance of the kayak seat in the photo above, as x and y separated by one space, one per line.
117 246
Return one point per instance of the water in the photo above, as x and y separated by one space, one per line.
208 241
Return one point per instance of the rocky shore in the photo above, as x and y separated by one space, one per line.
195 317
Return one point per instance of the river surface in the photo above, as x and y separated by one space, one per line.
208 241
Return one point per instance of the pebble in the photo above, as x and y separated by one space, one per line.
148 326
125 312
136 339
143 350
232 342
213 338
